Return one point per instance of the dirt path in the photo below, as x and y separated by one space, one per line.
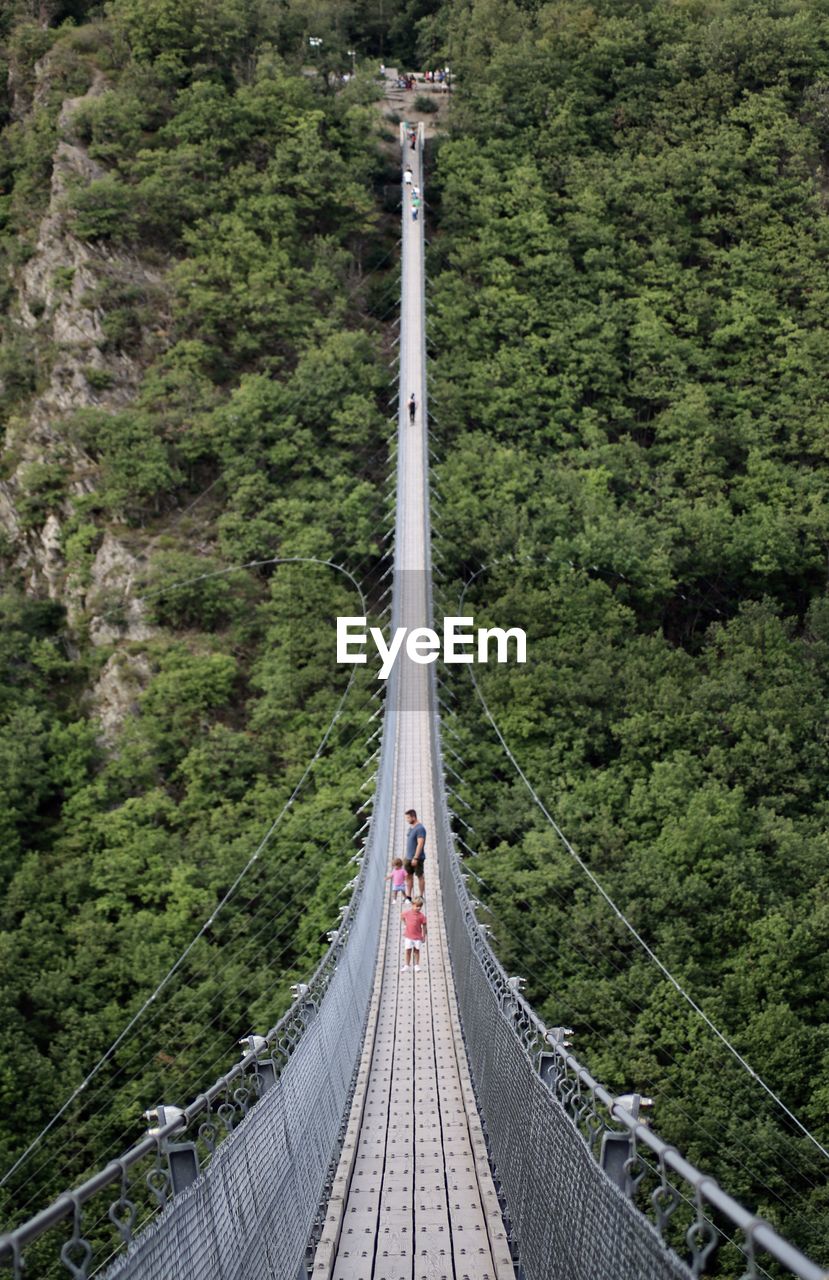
401 102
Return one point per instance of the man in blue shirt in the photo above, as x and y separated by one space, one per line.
415 853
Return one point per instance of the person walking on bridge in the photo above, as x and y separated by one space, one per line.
412 408
415 853
414 935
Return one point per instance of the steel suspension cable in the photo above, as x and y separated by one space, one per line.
568 946
651 954
124 1134
223 901
174 586
620 915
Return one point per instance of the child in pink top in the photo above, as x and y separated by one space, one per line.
414 934
397 875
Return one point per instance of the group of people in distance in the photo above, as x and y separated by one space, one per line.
403 874
410 184
406 80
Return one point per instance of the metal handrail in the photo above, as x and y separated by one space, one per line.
281 1041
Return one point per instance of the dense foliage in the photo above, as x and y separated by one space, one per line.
245 187
629 290
629 315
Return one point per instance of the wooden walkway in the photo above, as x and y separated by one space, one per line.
413 1197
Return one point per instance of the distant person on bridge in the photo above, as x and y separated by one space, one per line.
415 207
415 852
414 935
408 176
412 408
413 139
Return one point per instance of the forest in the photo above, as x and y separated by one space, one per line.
628 316
628 289
210 220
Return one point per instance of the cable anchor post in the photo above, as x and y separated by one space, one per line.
182 1157
618 1148
551 1064
303 1001
265 1073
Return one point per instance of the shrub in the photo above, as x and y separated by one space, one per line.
122 329
110 126
17 367
136 468
31 144
91 38
62 279
181 594
43 488
425 105
69 75
29 42
79 547
128 307
98 379
103 210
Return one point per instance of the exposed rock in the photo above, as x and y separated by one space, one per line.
115 694
56 289
114 565
9 523
50 562
114 572
56 284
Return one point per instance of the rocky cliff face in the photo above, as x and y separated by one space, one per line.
55 303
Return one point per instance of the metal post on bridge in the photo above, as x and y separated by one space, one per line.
618 1150
182 1157
549 1064
300 996
265 1067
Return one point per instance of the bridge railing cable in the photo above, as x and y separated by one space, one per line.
589 1188
571 1158
270 1127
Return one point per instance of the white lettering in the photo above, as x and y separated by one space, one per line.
387 654
345 641
502 637
451 638
422 645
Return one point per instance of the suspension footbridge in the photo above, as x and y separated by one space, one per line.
402 1125
413 1193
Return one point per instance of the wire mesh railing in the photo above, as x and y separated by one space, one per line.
268 1132
589 1189
235 1184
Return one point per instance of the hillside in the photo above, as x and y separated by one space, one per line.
629 320
627 306
193 375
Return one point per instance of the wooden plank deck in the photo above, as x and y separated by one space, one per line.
413 1196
